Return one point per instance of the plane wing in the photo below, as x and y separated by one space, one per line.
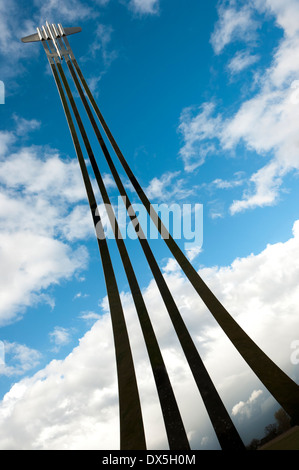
67 32
31 38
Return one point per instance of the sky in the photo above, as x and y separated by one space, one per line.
203 100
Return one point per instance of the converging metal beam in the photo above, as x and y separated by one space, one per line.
173 422
132 435
222 423
279 384
224 428
283 389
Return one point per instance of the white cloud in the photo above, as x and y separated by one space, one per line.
109 181
70 10
225 184
235 24
13 26
245 409
19 359
78 224
10 44
266 184
91 389
15 18
24 126
60 337
6 139
72 403
30 264
145 6
177 214
241 61
168 187
198 128
101 44
90 316
49 175
216 214
93 83
38 191
193 252
285 12
79 295
265 124
102 40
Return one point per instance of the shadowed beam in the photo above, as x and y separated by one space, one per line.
132 435
282 387
225 430
177 437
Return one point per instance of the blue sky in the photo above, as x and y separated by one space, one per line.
202 98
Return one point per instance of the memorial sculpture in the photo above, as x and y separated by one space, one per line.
132 436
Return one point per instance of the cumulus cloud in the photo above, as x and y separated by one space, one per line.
25 126
38 196
15 18
265 124
199 129
241 61
60 336
169 187
49 175
101 44
18 359
90 316
102 40
6 140
78 224
72 403
30 264
225 184
247 408
145 6
235 23
10 45
70 10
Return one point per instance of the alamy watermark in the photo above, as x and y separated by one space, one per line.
295 353
183 222
2 354
2 93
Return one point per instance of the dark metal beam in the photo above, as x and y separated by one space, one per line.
176 433
282 387
223 425
132 435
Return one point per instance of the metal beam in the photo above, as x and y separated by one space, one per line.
132 435
176 433
223 425
282 387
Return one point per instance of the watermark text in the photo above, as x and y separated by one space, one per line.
2 354
2 92
295 353
182 222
